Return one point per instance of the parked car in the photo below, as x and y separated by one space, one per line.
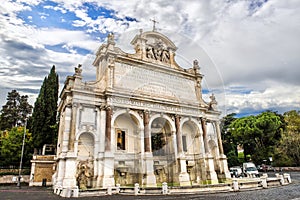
236 171
267 168
250 170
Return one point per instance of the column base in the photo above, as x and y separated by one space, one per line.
150 180
184 179
224 167
69 192
108 178
211 175
108 181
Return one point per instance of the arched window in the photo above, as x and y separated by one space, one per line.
121 139
184 143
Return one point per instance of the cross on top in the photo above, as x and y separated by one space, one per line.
154 22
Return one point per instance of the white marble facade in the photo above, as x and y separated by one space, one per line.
143 120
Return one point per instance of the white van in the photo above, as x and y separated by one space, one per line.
250 170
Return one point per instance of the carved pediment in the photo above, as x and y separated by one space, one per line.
158 51
155 47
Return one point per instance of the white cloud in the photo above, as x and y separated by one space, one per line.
277 98
56 8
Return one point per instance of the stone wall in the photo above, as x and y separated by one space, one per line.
42 169
11 179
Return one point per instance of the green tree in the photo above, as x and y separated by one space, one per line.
258 134
15 111
288 151
44 123
243 131
24 109
12 145
229 142
269 133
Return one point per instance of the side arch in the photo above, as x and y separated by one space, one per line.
191 133
213 147
85 145
136 116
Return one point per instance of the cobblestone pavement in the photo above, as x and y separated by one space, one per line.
289 192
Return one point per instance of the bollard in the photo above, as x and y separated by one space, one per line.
109 190
136 189
235 185
281 179
68 192
75 192
288 177
164 188
264 182
118 188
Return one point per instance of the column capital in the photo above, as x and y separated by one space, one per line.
108 107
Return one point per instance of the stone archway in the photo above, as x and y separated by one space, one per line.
127 147
85 149
215 153
85 157
162 146
191 147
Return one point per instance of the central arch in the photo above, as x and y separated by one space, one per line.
162 145
192 148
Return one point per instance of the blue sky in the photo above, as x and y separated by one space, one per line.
248 50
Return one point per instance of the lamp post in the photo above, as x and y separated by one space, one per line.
22 152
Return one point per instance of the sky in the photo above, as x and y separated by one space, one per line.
248 50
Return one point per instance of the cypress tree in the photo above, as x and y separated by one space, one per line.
44 122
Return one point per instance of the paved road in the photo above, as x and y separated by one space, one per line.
289 192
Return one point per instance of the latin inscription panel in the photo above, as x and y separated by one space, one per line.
154 83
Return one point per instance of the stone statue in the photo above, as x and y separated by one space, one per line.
78 70
84 174
165 56
196 64
110 38
213 103
149 53
138 49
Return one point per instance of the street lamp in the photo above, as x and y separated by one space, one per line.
22 152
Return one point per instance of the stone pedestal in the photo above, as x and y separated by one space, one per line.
108 168
184 178
211 174
287 177
100 163
224 167
69 180
70 192
150 179
68 186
